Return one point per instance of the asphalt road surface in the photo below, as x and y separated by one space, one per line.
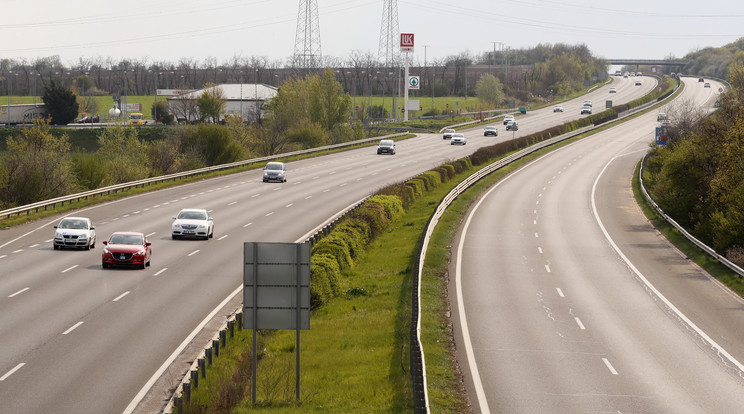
568 301
78 338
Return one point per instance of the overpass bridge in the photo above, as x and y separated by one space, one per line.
679 63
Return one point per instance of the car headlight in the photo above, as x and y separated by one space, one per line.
140 252
106 250
83 236
58 235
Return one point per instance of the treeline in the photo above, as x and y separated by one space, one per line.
715 61
39 165
698 177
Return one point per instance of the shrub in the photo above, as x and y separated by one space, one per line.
417 184
404 192
335 245
326 276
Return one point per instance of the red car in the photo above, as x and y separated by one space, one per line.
126 249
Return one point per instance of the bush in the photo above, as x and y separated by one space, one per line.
335 245
325 281
404 192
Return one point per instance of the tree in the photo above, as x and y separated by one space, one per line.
161 112
211 103
61 103
124 153
489 89
329 104
36 166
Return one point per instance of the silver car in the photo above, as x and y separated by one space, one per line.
458 139
75 232
275 171
448 133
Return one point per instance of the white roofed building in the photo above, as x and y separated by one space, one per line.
247 99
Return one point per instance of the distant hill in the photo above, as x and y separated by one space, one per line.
715 61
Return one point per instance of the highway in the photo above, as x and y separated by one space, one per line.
77 338
569 301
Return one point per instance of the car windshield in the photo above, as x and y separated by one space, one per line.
73 224
126 239
386 143
490 127
449 130
273 166
192 215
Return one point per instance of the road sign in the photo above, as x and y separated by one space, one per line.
413 82
406 42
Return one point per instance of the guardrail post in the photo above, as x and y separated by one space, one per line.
231 327
195 378
186 392
216 347
178 402
239 319
223 337
202 364
208 354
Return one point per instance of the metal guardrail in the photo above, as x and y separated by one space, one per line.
738 270
52 203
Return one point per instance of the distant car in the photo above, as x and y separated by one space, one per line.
448 133
661 116
490 130
632 73
613 90
126 249
512 126
587 102
558 108
638 83
136 118
89 119
508 118
706 85
458 139
586 110
617 73
701 80
666 123
192 222
275 171
75 232
386 146
639 74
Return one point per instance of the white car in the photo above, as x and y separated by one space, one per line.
508 118
588 103
458 139
558 108
613 90
275 171
586 110
638 83
448 133
75 232
512 126
192 222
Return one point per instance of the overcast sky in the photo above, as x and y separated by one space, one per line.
169 30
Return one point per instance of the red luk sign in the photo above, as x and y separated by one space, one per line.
406 42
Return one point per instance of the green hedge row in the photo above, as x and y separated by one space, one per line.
336 252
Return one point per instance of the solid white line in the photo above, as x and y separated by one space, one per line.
547 268
160 271
125 216
120 296
69 268
136 212
145 388
47 241
289 205
148 235
268 214
534 221
578 322
12 371
3 256
222 237
232 203
17 251
536 235
560 292
255 195
648 284
33 245
308 197
72 328
19 292
246 225
539 249
609 366
326 190
193 253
